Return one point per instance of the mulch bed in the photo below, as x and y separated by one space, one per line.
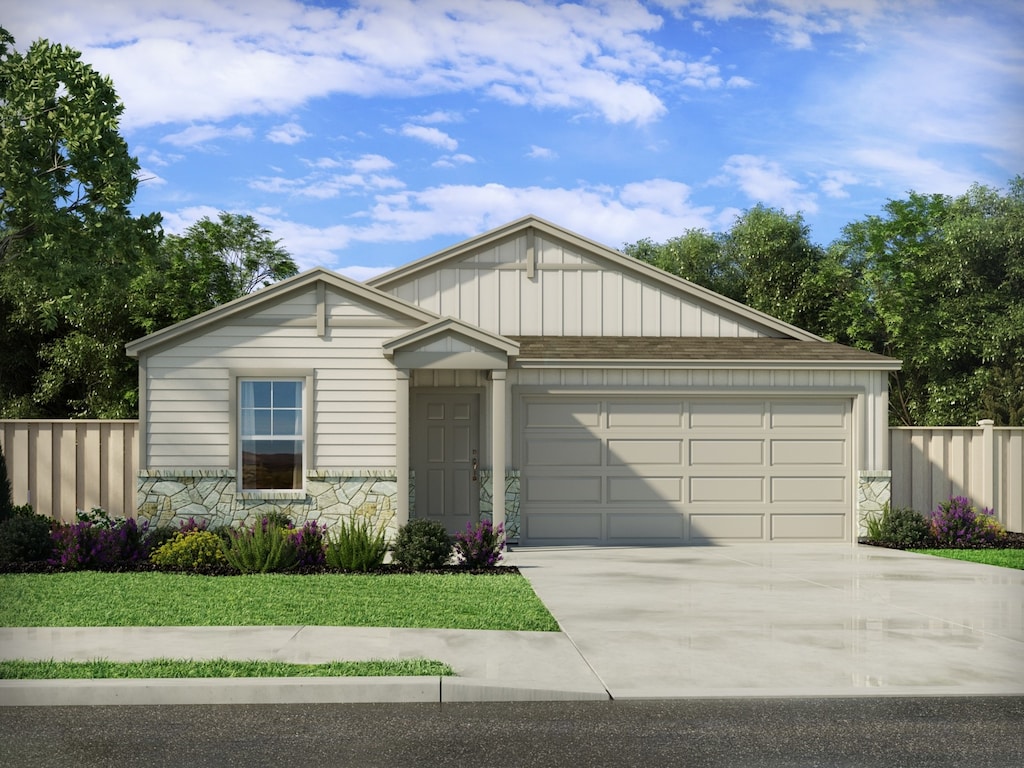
1013 540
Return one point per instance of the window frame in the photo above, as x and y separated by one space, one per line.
306 380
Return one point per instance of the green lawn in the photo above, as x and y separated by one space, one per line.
1006 558
180 668
150 599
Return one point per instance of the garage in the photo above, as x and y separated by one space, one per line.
670 469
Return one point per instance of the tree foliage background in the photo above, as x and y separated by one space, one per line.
80 274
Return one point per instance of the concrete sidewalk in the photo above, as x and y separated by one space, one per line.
638 622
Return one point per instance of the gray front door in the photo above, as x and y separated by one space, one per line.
445 454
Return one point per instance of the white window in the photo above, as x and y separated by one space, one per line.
271 435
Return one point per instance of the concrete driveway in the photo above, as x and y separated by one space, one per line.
787 620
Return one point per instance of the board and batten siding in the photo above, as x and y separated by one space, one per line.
569 294
188 385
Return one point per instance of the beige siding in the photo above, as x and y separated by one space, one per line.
571 293
189 391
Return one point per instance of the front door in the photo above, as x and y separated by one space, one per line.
445 455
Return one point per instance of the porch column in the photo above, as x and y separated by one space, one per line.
498 378
402 446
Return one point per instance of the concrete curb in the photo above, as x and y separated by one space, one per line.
280 690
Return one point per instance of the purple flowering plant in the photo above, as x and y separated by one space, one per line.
958 524
96 541
310 541
480 546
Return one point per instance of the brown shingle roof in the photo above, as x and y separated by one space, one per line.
690 348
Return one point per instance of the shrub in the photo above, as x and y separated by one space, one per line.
480 546
97 541
160 535
194 549
25 537
957 524
355 546
264 548
422 544
898 527
309 541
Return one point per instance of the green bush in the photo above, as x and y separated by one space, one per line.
355 546
264 548
25 536
899 527
194 549
422 544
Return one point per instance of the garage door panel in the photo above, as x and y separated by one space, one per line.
718 452
808 415
726 490
727 414
564 453
564 488
625 415
809 452
812 490
563 414
551 525
644 489
634 526
719 527
644 452
826 527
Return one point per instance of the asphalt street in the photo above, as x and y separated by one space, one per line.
967 732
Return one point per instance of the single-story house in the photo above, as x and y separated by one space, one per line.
528 375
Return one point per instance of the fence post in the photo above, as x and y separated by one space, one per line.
989 474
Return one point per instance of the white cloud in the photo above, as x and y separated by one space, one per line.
451 161
197 135
431 136
288 133
765 181
835 183
541 153
440 116
371 162
211 60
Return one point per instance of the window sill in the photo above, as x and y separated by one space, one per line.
273 495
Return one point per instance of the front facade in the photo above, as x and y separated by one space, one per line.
529 376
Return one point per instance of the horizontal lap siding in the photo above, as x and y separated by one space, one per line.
189 387
571 294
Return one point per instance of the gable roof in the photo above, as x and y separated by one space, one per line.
273 293
449 326
614 258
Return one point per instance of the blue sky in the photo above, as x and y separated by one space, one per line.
367 134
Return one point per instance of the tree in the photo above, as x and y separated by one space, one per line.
69 245
767 261
945 280
212 263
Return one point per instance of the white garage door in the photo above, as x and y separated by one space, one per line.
666 469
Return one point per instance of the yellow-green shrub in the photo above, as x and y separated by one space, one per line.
191 549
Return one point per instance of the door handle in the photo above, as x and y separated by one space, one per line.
475 463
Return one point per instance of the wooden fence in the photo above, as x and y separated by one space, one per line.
62 466
983 463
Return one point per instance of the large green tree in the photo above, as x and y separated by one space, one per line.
945 277
211 263
69 246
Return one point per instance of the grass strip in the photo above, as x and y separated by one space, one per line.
101 669
154 599
1005 558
